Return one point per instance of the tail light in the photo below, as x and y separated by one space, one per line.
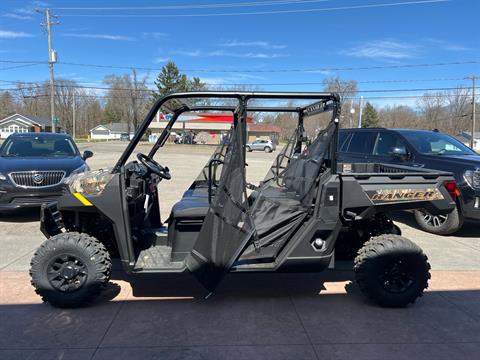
452 189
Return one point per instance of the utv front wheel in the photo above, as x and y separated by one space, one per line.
391 270
70 269
439 224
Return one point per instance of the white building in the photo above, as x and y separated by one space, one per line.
466 136
110 131
18 123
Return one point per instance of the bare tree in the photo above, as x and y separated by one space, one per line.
7 104
432 107
458 103
127 98
347 89
398 116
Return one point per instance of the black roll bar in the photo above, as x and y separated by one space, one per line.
241 97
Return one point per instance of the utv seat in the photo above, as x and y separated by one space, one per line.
190 207
185 222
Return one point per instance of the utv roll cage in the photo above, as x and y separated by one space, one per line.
179 103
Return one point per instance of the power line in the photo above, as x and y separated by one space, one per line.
198 6
306 70
354 98
271 12
150 90
17 66
252 84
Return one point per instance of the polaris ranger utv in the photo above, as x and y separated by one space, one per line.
290 222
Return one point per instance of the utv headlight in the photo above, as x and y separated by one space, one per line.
472 177
90 182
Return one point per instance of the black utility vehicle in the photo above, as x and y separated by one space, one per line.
289 223
33 166
423 149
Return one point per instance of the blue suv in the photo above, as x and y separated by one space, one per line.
426 149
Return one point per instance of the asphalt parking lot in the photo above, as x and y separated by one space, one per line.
250 317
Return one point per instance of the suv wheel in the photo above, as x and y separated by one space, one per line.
70 269
268 149
439 224
391 270
248 148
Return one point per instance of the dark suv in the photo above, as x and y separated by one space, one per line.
33 167
426 149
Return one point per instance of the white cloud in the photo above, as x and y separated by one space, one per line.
26 12
223 53
260 44
239 78
101 36
155 35
160 60
384 49
18 16
5 34
448 46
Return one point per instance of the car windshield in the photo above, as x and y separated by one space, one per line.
432 143
38 146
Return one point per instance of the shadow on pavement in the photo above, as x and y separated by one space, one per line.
469 229
21 215
237 285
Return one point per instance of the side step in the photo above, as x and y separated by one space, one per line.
156 258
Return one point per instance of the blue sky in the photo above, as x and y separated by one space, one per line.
306 34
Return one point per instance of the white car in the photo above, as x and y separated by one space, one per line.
262 145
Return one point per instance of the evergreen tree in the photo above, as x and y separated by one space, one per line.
171 80
370 116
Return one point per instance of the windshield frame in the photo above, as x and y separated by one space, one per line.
465 150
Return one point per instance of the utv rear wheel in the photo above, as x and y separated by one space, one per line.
439 224
70 269
391 270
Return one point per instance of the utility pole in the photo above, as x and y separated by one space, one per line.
360 113
474 126
52 59
73 115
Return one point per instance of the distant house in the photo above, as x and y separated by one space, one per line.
264 131
466 136
18 123
110 131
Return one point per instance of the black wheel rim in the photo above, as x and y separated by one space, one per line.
397 278
67 273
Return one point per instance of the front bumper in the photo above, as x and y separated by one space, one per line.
470 203
14 198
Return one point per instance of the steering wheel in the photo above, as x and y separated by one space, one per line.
154 166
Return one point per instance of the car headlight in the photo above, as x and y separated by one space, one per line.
90 182
2 177
472 177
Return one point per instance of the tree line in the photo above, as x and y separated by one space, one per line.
127 98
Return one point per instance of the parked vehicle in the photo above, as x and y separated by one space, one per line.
33 167
422 149
290 223
261 145
124 137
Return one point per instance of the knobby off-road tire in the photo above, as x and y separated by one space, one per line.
441 224
70 269
391 270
